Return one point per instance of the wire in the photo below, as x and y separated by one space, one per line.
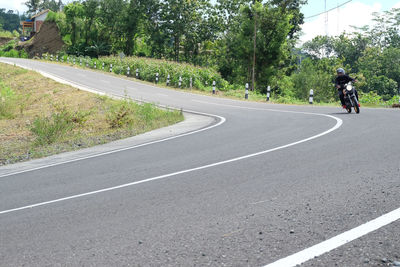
328 10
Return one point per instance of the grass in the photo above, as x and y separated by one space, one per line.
49 118
234 92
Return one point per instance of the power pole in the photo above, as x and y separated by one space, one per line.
254 48
326 21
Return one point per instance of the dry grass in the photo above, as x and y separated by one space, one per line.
39 97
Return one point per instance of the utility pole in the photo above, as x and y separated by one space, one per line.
326 21
254 47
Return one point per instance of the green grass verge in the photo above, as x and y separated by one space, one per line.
40 117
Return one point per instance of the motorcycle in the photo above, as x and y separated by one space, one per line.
350 98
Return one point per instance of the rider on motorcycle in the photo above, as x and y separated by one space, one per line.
341 80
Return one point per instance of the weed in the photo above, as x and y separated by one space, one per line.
120 113
7 102
50 129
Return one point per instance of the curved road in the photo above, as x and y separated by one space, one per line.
268 181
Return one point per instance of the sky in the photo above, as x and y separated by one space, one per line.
355 13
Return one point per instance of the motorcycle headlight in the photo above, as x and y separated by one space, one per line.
349 87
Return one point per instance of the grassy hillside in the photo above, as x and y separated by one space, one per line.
40 117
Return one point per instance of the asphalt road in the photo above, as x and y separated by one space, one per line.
268 182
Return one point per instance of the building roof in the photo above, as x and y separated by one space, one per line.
40 13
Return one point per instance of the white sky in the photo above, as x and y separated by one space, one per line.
356 13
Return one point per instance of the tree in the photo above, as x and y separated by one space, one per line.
90 10
9 20
33 6
74 12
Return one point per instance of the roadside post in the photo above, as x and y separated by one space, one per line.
110 67
214 87
137 74
128 71
246 94
168 78
103 66
268 92
180 82
191 83
95 65
311 99
156 77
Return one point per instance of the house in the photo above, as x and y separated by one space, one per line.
35 22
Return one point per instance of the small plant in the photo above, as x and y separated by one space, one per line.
52 128
7 102
120 113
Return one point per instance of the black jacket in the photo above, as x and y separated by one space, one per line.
343 79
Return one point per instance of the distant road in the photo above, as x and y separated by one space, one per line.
268 182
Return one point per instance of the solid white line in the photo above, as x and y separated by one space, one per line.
337 241
76 85
337 125
222 120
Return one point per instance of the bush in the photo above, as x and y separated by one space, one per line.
50 129
201 77
11 53
383 85
55 127
370 98
120 114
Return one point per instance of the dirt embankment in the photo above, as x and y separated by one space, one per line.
47 40
4 40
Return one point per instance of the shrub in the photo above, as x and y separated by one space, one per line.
120 114
12 53
55 127
201 77
50 129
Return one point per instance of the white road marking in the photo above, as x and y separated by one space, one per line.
292 260
337 241
222 120
337 125
76 85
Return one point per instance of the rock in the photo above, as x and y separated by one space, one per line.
384 260
396 263
292 231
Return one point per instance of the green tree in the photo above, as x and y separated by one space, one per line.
33 6
273 26
90 12
73 13
9 20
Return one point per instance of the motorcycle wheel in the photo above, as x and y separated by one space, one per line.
356 107
348 110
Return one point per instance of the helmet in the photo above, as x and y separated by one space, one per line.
340 70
